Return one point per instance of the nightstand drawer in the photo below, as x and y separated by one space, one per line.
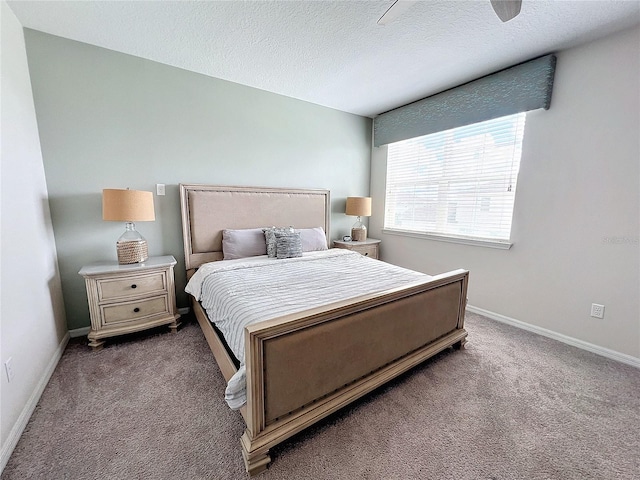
369 247
109 289
131 311
368 250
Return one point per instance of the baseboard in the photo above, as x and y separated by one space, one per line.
32 402
79 332
605 352
184 310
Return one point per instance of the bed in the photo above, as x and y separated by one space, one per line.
408 324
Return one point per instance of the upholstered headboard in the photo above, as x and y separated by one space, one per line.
209 209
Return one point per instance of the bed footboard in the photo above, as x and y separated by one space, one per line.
305 366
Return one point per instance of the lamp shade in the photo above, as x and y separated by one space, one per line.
358 206
127 205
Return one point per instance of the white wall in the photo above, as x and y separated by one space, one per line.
32 323
576 220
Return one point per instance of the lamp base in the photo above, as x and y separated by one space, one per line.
133 251
359 234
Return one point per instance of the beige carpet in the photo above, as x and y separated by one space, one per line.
513 405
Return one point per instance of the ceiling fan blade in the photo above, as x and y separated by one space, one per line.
396 9
506 9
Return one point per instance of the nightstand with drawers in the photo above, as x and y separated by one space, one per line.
129 298
369 248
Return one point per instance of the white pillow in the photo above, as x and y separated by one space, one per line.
313 239
248 242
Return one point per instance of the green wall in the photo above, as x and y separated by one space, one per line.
110 120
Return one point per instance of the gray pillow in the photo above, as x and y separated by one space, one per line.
288 245
270 238
247 242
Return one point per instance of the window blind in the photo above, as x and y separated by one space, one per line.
521 88
457 183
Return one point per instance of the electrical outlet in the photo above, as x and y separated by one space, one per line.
597 311
160 188
8 367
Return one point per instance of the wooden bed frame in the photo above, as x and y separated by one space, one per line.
304 366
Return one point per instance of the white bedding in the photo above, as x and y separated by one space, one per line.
237 293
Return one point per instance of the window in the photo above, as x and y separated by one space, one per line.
458 184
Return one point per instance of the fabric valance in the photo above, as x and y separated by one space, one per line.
520 88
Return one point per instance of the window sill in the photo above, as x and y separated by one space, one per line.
501 245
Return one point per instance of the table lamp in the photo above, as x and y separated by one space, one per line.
358 207
129 206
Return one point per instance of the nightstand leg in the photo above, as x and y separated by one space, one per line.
175 324
95 343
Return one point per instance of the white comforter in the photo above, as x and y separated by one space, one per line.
236 293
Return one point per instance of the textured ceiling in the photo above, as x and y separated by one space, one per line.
332 53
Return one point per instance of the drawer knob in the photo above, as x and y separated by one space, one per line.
134 286
136 309
366 254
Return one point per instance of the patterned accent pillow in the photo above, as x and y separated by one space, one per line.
288 245
270 238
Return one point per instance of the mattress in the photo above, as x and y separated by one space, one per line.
237 293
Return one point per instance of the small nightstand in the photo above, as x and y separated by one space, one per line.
129 298
369 248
